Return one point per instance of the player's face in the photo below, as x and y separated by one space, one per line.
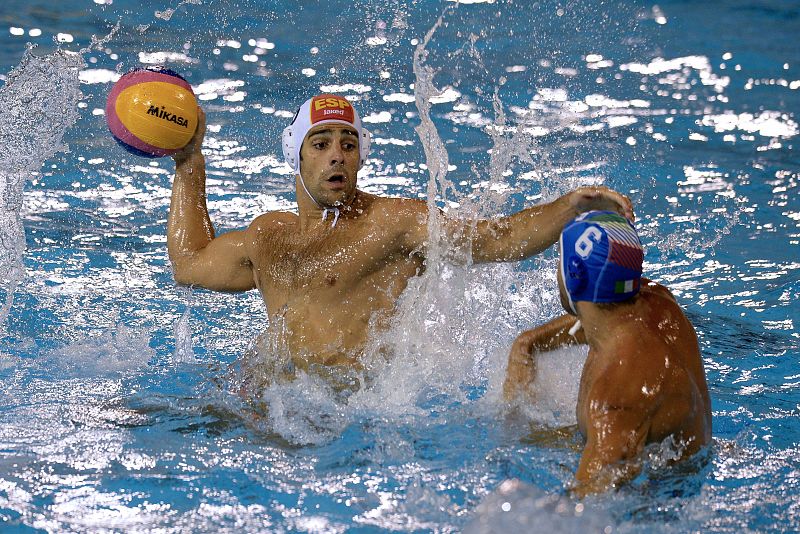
329 163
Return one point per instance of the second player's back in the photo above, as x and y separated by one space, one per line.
652 366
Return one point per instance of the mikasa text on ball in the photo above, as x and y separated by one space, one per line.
152 113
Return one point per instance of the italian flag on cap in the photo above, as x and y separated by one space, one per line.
626 286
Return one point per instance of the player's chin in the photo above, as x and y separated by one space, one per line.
338 196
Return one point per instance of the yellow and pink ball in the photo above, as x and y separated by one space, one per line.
152 113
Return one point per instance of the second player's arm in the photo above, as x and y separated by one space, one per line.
521 370
532 230
616 436
617 413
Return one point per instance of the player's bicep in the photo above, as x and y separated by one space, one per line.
222 265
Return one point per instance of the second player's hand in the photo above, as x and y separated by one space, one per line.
601 198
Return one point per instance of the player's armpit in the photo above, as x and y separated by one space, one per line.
222 265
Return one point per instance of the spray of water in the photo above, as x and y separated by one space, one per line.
184 353
38 103
167 13
452 326
435 152
117 350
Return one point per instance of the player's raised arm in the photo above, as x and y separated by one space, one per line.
534 229
198 257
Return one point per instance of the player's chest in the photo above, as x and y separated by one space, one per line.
291 262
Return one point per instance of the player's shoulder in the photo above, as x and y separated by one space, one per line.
399 209
660 306
272 221
650 287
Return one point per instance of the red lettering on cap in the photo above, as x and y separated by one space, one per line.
328 107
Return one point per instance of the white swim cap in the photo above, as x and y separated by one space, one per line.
322 109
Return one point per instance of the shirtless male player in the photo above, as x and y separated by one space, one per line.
643 380
345 258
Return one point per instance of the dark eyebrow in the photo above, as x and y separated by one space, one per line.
328 131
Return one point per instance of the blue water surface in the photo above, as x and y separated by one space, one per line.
116 404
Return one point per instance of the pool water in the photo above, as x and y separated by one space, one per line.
117 388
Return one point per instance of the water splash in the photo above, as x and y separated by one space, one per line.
436 155
307 410
116 350
169 12
558 375
184 353
39 103
520 145
453 317
97 43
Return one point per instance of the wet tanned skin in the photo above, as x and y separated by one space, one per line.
643 381
329 283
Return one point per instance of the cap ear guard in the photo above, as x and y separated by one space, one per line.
576 276
288 142
364 142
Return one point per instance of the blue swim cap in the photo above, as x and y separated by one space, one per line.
601 258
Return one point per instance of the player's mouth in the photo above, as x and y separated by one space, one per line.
336 181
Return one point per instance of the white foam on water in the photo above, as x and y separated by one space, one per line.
116 350
519 507
306 410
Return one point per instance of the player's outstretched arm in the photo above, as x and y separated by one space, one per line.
534 229
521 370
198 257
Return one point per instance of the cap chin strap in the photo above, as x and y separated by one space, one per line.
335 211
575 328
325 210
